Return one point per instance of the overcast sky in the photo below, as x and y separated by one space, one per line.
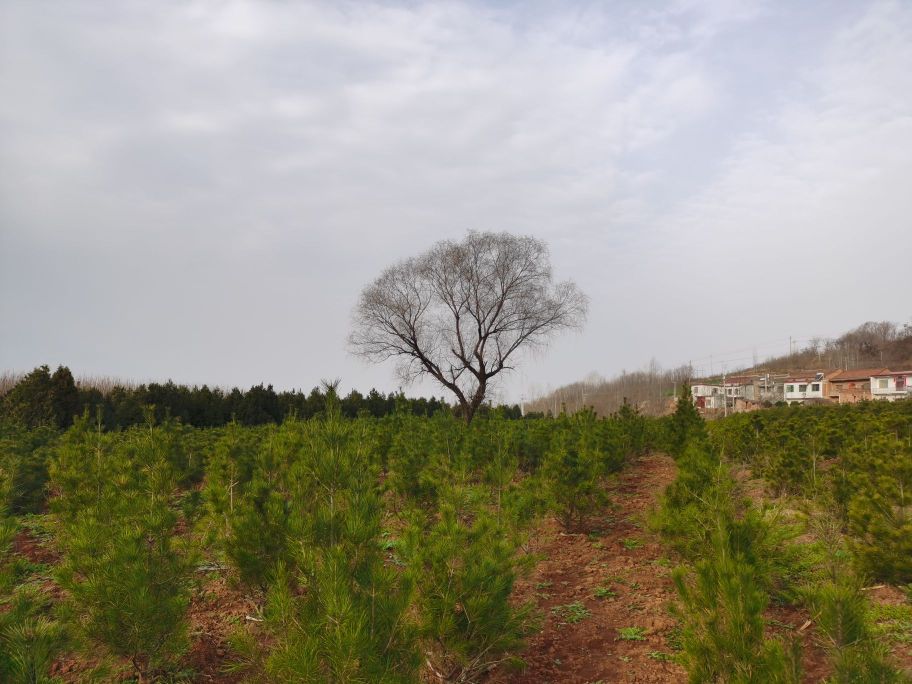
199 190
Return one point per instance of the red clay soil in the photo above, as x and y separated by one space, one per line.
792 622
33 550
575 566
216 609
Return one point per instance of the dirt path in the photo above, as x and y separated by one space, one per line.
581 640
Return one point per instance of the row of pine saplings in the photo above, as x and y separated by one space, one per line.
374 551
740 557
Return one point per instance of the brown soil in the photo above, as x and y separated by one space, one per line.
792 622
33 550
216 610
575 565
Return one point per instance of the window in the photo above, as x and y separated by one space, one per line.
815 387
789 388
883 383
900 383
802 388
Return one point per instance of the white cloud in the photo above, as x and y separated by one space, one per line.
277 155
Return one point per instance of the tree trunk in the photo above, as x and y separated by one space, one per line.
471 407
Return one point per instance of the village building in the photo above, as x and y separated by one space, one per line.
707 397
891 385
738 393
738 386
742 392
771 387
802 387
851 386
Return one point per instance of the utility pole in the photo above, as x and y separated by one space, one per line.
724 394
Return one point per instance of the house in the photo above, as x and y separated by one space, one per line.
707 397
891 385
738 387
801 387
851 386
771 387
743 392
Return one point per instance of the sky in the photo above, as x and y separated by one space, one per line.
199 189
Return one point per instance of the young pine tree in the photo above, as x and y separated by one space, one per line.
413 468
29 637
258 513
126 577
876 478
633 432
572 473
686 426
721 609
465 570
336 612
840 611
688 503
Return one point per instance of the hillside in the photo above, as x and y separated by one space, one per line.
653 389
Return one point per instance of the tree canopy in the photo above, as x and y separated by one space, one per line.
461 311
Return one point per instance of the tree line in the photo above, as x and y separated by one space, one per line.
873 344
43 398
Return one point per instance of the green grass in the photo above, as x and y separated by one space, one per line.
631 634
893 623
660 656
778 623
675 638
631 543
571 613
605 593
39 526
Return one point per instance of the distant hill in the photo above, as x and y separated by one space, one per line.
871 344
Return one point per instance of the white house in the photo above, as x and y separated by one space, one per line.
799 388
707 396
733 390
892 385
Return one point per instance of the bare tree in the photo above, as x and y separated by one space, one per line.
461 312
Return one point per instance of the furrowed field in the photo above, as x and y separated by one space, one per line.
766 547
